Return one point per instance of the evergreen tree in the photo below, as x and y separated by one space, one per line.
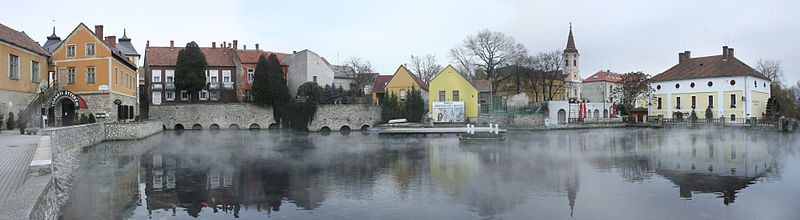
415 105
84 119
190 69
389 108
709 113
91 118
311 91
261 90
277 83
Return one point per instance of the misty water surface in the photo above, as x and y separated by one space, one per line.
583 174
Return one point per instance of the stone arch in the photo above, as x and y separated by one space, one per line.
273 126
344 130
164 127
233 126
364 127
562 116
325 129
254 126
214 127
197 127
596 113
178 127
605 113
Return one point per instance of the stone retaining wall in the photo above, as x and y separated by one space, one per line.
527 121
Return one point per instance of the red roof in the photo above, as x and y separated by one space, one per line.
604 76
251 56
164 56
20 39
706 67
380 83
570 43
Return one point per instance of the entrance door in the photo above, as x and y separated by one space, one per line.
562 116
67 112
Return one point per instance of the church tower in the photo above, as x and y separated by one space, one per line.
573 79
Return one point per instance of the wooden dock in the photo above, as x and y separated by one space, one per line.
450 130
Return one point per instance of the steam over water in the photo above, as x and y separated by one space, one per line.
583 174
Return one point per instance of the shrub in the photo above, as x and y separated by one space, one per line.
83 120
91 118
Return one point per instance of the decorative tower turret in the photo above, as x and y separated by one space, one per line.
571 69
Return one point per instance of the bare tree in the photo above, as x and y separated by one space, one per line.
551 75
363 74
465 63
632 86
772 69
425 67
487 50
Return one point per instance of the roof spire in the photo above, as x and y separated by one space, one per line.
570 42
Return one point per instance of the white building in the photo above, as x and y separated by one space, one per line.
599 87
307 66
571 69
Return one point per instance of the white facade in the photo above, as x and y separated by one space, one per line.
744 87
572 70
598 91
561 111
307 66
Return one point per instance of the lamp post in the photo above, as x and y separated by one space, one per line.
41 107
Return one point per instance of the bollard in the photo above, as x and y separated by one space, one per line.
467 128
490 127
497 129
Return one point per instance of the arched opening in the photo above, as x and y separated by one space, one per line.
344 130
233 126
197 127
364 127
163 127
254 126
178 127
66 110
273 126
596 113
605 113
214 127
325 130
562 116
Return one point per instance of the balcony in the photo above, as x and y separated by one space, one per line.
228 86
213 86
170 86
158 87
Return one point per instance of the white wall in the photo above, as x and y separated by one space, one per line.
303 66
719 85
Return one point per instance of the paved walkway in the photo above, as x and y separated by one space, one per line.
16 153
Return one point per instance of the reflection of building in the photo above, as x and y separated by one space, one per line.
24 67
722 83
109 190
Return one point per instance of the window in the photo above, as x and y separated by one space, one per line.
156 98
71 75
71 50
248 94
116 76
733 100
35 75
203 95
250 74
122 76
156 76
185 95
733 117
455 96
170 95
213 75
402 94
315 78
441 96
90 75
13 66
711 101
213 95
90 49
226 76
694 101
574 63
678 102
170 76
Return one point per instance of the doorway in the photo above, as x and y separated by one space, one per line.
67 112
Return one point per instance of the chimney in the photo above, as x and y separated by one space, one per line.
223 44
244 47
294 52
213 45
724 53
112 41
229 45
235 44
148 44
688 54
171 44
98 30
730 52
256 46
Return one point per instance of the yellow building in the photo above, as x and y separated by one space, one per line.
23 64
450 86
401 82
96 74
722 83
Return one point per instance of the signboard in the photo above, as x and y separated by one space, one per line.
102 87
66 93
448 111
117 102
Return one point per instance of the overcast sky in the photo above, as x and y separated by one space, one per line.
621 36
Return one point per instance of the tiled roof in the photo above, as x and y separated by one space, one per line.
380 83
125 45
570 43
604 76
482 85
251 56
416 78
705 67
20 39
52 42
164 56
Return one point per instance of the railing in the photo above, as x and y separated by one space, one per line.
594 120
532 108
718 121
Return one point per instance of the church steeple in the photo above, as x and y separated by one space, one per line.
570 42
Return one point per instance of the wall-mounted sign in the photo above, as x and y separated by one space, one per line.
68 94
102 87
101 115
118 102
448 111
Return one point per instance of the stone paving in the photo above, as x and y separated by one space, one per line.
16 153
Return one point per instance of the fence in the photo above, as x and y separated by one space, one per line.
753 121
532 108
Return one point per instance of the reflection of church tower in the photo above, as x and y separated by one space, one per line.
572 185
571 57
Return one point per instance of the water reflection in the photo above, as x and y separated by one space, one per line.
554 174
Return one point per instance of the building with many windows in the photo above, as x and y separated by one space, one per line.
24 70
248 59
722 83
94 76
160 76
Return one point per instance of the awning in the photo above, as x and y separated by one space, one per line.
81 102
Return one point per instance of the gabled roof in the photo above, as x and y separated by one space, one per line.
706 67
604 76
570 42
482 85
251 56
380 83
20 39
114 51
419 81
165 56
